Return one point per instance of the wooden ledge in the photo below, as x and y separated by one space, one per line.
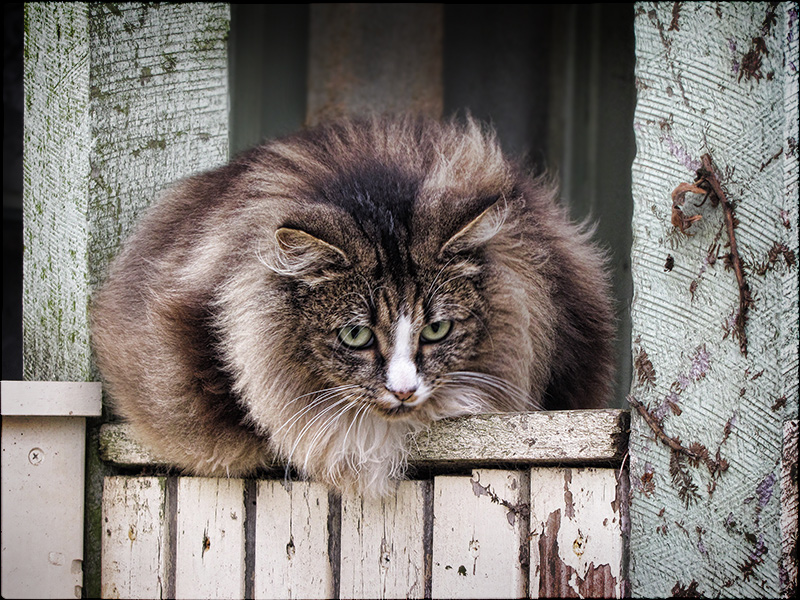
575 437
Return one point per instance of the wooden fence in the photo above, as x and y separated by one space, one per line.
523 531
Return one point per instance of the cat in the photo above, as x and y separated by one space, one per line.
326 294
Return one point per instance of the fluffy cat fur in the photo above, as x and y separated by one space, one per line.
227 330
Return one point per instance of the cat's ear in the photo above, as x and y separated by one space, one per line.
302 254
478 231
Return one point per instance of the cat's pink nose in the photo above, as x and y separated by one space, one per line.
404 395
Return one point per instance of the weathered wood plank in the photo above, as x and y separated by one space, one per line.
479 528
292 541
576 536
557 437
383 552
114 112
55 192
42 506
134 548
210 538
590 437
705 446
52 398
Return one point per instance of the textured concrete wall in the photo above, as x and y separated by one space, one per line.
715 318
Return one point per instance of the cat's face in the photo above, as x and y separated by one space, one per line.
385 279
393 340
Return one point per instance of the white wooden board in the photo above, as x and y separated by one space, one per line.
135 537
576 537
476 539
210 540
383 544
292 541
52 398
42 506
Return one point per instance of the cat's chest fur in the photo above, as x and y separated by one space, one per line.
327 293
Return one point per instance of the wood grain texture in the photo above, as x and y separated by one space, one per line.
586 437
712 79
478 535
114 112
57 146
383 552
210 538
454 536
576 535
292 541
556 437
134 548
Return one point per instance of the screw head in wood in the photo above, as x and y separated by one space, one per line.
36 456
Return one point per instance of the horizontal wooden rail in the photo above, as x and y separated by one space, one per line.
580 437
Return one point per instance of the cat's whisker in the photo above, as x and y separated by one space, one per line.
317 417
361 411
505 395
327 426
363 298
323 396
438 274
444 283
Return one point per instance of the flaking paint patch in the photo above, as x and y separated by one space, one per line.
559 580
569 505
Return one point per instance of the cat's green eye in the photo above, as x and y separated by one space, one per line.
355 336
436 332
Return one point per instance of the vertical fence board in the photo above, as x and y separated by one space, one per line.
477 535
383 544
210 539
576 537
134 537
292 541
42 506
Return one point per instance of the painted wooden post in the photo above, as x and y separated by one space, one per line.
120 101
478 533
711 395
576 542
43 450
210 542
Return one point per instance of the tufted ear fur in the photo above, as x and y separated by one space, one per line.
478 231
302 254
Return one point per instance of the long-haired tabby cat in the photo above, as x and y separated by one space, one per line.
328 293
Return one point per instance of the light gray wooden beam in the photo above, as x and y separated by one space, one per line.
586 437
